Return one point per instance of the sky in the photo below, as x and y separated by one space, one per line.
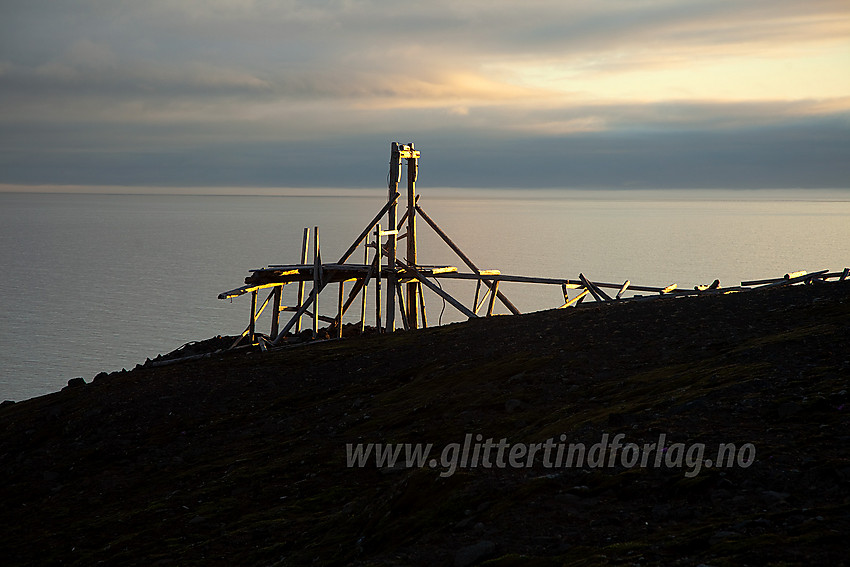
538 93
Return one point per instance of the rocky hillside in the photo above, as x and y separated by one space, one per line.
243 460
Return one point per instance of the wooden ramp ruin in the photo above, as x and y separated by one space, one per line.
398 282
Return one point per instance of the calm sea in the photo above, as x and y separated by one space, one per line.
94 282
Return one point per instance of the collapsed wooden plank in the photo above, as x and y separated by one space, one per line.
597 293
791 279
577 299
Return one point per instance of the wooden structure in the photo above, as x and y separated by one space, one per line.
398 282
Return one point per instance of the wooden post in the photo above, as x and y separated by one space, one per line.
378 277
365 287
623 289
339 311
252 322
493 293
392 219
422 305
412 287
278 291
401 307
317 279
305 243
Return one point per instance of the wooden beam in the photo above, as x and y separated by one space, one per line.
401 307
623 289
239 291
412 173
338 320
318 285
392 241
305 244
253 321
597 293
495 290
505 301
475 304
422 305
347 254
436 289
276 312
378 322
368 229
570 284
793 280
577 299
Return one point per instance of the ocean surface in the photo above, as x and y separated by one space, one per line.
99 282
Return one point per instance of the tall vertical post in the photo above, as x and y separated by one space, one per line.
365 287
392 242
317 279
412 172
339 310
278 292
305 246
253 321
378 277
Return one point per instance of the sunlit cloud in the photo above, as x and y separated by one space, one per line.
126 76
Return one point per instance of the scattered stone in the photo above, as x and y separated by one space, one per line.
722 536
788 409
472 554
772 497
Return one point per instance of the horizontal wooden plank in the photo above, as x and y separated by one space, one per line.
570 284
239 291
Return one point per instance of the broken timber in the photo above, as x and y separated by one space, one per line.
398 283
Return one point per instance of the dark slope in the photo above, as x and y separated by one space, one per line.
242 459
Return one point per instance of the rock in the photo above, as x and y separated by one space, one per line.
721 536
472 554
513 405
76 382
788 409
772 497
100 376
7 403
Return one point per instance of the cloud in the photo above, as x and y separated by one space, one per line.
125 83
